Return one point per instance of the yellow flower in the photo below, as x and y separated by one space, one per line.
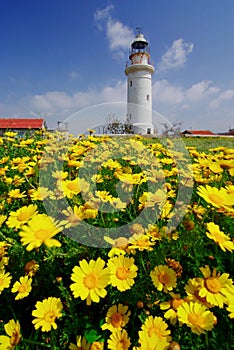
196 316
40 194
156 326
13 337
150 200
97 345
140 242
193 288
163 278
16 194
46 313
117 317
118 340
151 342
2 219
219 237
122 272
23 287
21 216
74 187
214 196
5 280
81 344
217 289
171 306
90 280
230 308
40 230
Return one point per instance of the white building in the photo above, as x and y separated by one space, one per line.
139 90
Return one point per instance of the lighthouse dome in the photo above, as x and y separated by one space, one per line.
139 42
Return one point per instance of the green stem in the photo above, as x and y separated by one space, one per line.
36 343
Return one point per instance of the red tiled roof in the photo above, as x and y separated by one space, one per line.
198 132
21 123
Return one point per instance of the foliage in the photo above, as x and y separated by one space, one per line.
153 270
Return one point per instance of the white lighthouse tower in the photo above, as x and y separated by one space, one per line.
139 72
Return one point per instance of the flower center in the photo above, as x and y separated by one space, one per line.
49 317
72 186
213 285
90 281
41 234
122 273
22 288
154 330
163 278
196 319
122 345
23 216
176 303
216 198
117 320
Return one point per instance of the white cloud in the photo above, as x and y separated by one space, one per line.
176 55
200 90
119 35
165 92
224 96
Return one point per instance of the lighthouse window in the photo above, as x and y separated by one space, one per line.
147 97
130 82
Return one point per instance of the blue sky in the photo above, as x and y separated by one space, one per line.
58 57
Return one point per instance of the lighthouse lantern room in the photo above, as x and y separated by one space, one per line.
139 89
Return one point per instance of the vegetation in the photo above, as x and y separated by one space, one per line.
116 243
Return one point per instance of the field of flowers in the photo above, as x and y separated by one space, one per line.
110 243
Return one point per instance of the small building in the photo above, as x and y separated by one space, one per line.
198 133
21 125
230 132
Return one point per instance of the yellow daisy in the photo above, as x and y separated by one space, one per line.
81 344
90 280
163 278
46 313
196 316
40 230
219 237
97 345
151 342
217 288
23 287
117 317
140 242
118 340
21 216
156 326
193 288
16 193
122 272
2 219
214 196
5 280
230 308
13 337
171 306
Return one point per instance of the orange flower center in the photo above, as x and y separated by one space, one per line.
117 320
196 319
90 281
72 186
176 303
49 317
22 288
154 330
213 285
122 273
23 216
122 345
164 278
41 234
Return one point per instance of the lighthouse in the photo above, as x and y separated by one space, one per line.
139 86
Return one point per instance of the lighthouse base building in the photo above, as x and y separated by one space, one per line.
139 87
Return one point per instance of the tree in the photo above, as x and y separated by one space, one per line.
173 130
115 126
